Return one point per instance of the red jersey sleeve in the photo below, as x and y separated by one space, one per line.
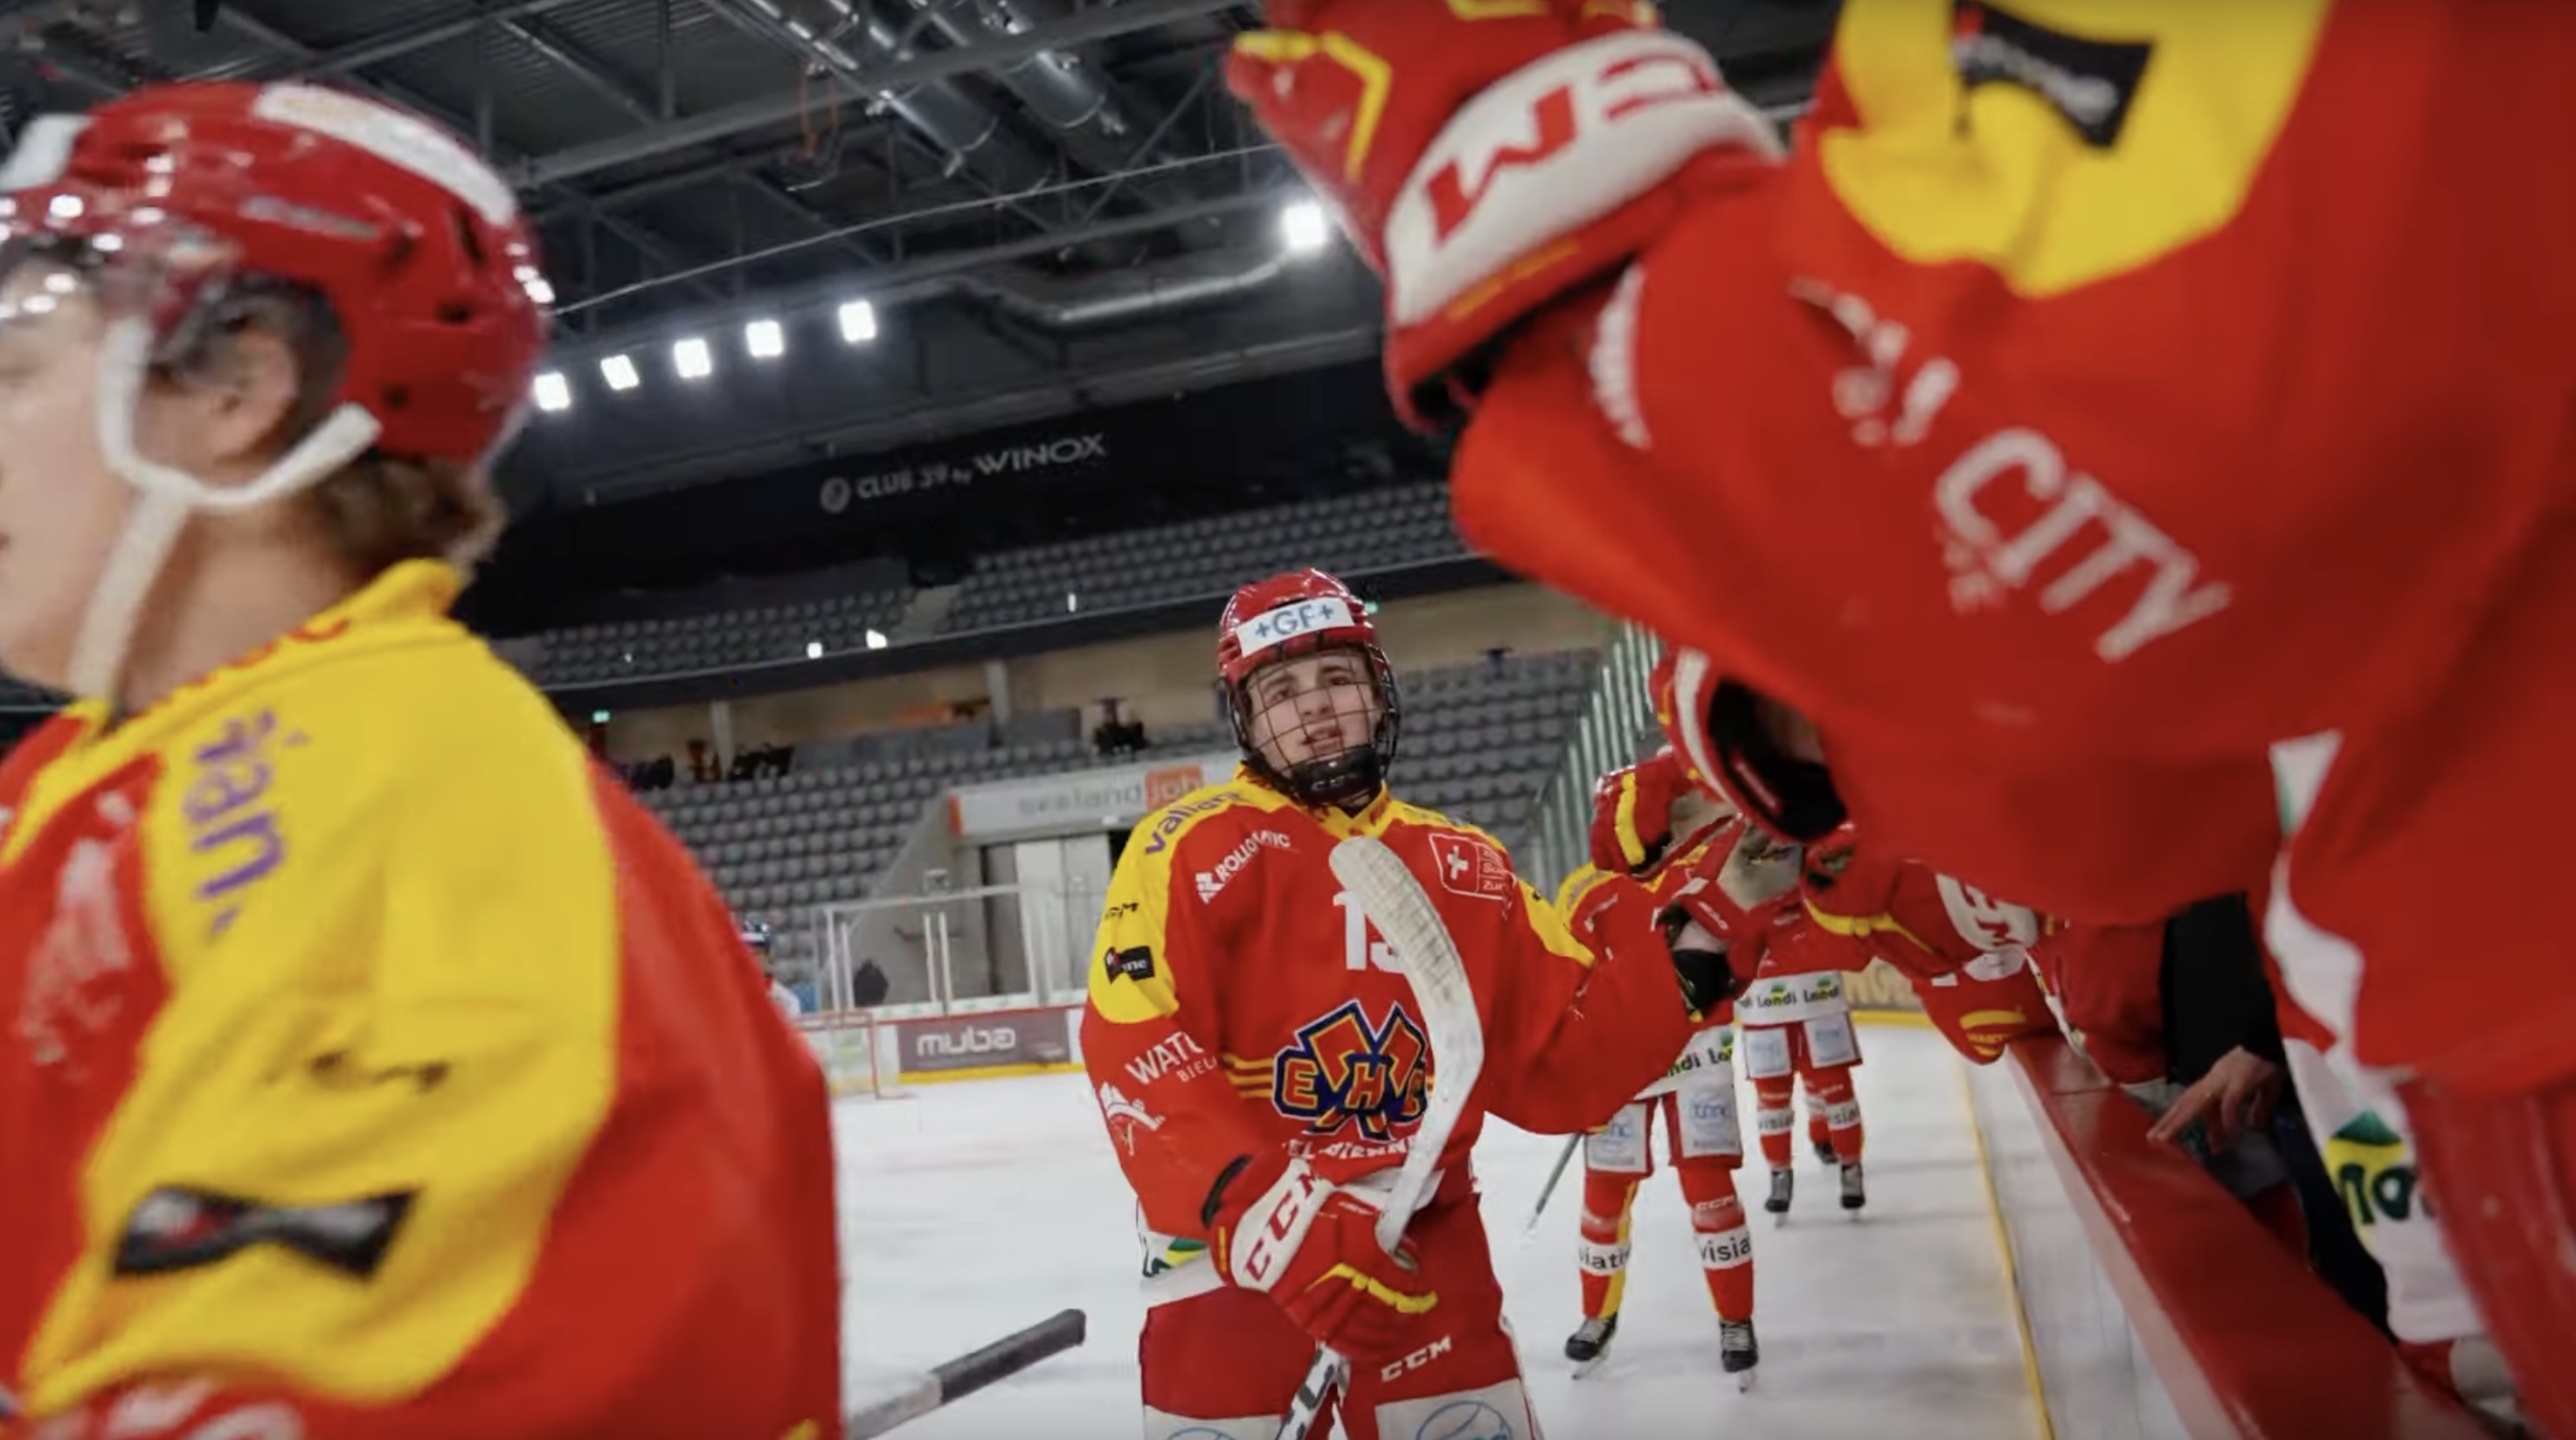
1576 1033
1150 1042
2046 382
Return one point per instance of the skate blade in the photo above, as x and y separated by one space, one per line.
1586 1367
1744 1379
1779 1219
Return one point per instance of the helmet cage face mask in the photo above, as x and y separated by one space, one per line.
1349 777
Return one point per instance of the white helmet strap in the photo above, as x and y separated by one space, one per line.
167 498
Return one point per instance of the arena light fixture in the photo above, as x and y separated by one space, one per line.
1304 227
692 359
876 640
813 649
620 373
553 392
764 339
858 321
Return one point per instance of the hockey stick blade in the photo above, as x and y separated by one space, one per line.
1387 891
963 1376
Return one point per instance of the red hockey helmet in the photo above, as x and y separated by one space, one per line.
166 201
1717 726
1282 618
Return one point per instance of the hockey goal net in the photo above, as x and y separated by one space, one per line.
858 1051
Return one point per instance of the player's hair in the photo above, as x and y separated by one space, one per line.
379 510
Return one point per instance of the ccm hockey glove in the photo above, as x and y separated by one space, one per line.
1311 1246
1487 158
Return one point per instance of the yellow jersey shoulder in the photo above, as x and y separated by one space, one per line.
1578 883
1160 835
1400 812
315 775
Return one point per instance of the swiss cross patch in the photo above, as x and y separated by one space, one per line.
1471 867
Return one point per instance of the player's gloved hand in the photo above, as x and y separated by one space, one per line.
1762 757
1490 158
1311 1246
1633 813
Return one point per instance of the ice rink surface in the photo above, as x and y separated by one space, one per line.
971 1210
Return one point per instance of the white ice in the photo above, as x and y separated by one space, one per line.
973 1209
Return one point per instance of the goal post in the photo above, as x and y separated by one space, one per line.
858 1052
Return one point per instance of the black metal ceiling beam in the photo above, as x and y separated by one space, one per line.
295 51
890 284
364 53
714 125
560 53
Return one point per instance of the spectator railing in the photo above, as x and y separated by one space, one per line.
2248 1343
1605 736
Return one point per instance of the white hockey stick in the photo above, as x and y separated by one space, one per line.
1387 891
967 1374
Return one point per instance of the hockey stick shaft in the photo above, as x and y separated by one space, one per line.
1547 1191
1387 891
963 1376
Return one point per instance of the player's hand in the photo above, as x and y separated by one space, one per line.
1486 163
2236 1095
1633 813
1762 757
1311 1246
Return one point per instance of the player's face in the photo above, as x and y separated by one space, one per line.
1313 707
60 507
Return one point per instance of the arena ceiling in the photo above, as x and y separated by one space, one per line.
782 230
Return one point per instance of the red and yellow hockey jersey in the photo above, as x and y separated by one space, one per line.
377 1058
2104 391
1241 1002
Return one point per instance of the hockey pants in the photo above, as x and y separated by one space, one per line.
1224 1363
1611 1174
1775 1085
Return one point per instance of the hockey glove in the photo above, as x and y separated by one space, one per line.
1633 820
1731 736
1985 1005
1488 158
1311 1246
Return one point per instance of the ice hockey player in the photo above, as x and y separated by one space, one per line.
2046 525
1795 1032
760 939
1262 1063
1695 1102
368 1043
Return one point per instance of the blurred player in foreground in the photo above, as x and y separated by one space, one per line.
1261 1062
371 1045
2108 414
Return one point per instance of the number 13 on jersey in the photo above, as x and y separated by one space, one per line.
1362 947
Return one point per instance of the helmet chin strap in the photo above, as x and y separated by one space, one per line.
167 498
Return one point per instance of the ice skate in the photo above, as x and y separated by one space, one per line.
1739 1351
1783 1182
1589 1345
1855 1195
1825 1152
